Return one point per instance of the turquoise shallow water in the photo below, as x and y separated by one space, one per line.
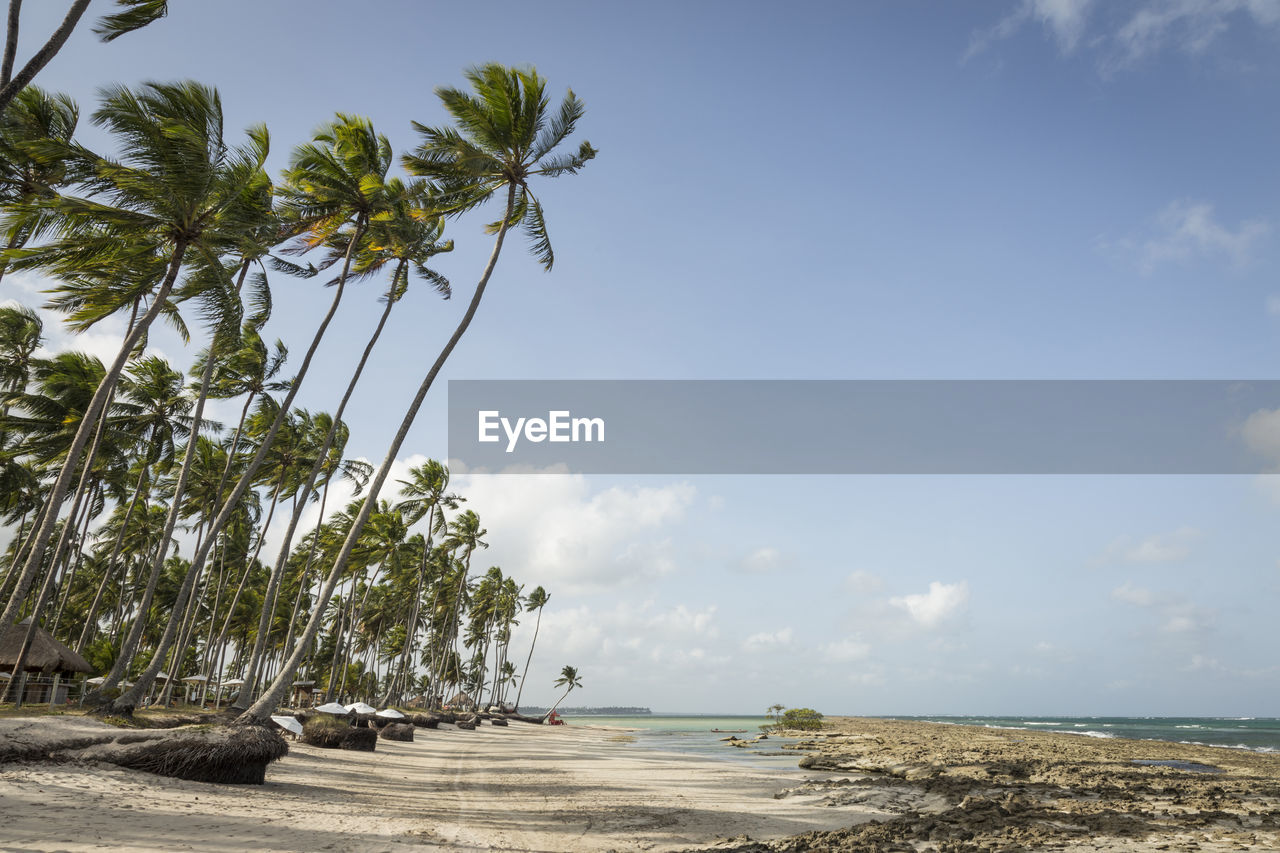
693 733
1259 734
696 735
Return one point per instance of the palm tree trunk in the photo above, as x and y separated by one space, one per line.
42 56
88 421
90 622
525 674
246 477
264 706
306 569
277 571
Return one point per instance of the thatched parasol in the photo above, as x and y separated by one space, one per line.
45 655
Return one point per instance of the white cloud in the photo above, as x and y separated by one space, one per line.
1261 432
1187 230
846 651
766 641
562 534
1136 595
931 608
762 560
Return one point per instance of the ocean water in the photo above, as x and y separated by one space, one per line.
1259 734
697 735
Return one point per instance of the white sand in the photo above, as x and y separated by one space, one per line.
552 789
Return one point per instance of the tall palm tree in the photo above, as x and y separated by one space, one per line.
332 182
177 188
536 601
403 234
568 677
505 137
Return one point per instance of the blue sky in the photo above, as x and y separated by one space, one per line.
1023 189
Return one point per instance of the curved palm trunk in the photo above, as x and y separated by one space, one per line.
277 571
262 709
306 570
88 421
130 699
90 622
12 87
525 674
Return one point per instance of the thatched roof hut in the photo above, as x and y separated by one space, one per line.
462 700
45 655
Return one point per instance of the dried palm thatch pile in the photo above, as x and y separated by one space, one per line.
236 755
325 731
498 721
361 740
397 731
466 725
425 721
337 733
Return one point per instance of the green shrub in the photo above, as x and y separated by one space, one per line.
805 719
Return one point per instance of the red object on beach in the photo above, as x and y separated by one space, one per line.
553 719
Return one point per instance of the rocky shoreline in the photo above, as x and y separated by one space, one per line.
965 789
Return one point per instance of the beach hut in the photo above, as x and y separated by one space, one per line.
48 663
193 685
462 700
303 694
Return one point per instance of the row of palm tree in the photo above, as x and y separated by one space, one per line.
139 524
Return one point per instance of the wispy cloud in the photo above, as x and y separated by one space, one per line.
1187 230
761 560
1064 20
846 651
1122 35
1158 548
767 641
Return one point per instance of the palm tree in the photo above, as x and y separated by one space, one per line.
568 676
137 14
505 137
536 601
177 188
34 119
330 183
404 231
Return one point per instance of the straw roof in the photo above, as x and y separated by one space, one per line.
45 655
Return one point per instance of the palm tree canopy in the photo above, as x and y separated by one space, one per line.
505 134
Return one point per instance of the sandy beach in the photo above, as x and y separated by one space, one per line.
566 788
865 785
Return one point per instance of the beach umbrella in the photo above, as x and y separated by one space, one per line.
196 678
390 714
331 708
233 682
290 724
361 708
98 679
